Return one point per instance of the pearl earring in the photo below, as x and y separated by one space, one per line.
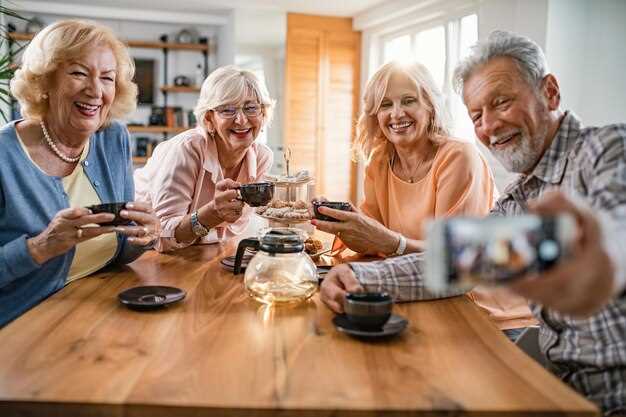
44 96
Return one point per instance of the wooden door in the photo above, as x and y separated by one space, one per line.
322 95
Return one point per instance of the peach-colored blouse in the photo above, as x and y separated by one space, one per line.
458 183
180 177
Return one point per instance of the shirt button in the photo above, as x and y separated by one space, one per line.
96 183
86 163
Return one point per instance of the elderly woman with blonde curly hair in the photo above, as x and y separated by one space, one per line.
192 179
66 154
415 171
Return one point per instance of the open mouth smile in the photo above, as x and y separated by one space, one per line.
400 127
86 108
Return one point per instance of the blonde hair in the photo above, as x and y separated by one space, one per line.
368 133
230 84
63 41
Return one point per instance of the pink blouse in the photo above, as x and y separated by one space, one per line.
180 178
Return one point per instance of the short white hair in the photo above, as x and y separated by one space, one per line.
228 85
526 54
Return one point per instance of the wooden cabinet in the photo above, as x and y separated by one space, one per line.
321 100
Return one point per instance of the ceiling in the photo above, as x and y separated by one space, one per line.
322 7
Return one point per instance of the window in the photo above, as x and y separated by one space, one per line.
439 48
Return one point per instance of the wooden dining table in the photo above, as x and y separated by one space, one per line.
220 353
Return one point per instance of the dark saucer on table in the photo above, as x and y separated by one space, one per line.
150 297
395 325
229 262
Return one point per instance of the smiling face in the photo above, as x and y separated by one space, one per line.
240 131
81 93
510 117
402 116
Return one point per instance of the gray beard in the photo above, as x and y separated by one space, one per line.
521 157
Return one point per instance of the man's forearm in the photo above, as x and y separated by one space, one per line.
402 277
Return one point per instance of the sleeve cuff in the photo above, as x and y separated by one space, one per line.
18 258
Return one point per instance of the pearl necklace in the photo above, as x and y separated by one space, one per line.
54 148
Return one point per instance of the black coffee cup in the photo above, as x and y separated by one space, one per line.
368 310
113 208
337 205
257 194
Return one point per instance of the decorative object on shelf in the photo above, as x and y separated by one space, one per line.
141 146
191 118
182 81
34 25
157 117
187 35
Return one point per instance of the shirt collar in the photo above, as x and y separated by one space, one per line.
552 165
212 165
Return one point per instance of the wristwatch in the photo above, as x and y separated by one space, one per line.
401 245
197 227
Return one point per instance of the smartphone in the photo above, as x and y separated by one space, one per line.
463 252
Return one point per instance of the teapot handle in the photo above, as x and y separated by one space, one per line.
241 248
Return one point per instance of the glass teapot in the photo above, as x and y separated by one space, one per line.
280 272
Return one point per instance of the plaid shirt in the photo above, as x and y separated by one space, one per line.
588 354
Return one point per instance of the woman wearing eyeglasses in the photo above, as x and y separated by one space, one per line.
191 179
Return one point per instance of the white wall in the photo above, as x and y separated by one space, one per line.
586 49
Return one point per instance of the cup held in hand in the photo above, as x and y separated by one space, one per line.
257 194
113 208
337 205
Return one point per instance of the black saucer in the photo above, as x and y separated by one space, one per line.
395 325
229 262
150 297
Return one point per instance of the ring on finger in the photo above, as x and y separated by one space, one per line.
79 233
146 232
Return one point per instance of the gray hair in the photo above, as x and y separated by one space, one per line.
228 85
526 54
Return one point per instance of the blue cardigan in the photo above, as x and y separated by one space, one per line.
29 199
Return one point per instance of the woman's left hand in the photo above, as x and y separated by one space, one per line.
148 226
359 232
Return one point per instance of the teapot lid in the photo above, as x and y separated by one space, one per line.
282 240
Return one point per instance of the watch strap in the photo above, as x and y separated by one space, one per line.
401 245
197 227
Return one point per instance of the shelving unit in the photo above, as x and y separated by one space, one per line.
203 47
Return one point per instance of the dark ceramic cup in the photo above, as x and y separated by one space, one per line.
368 310
337 205
113 208
257 194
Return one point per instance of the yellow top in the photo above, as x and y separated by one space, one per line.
458 183
92 254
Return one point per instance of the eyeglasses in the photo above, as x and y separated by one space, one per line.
248 109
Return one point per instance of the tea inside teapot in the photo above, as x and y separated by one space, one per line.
281 272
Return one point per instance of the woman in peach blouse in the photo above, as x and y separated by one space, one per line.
415 171
192 179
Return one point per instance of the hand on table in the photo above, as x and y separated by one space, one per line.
582 283
339 280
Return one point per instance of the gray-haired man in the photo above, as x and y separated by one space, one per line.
513 102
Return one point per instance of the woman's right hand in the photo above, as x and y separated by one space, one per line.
65 231
225 203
